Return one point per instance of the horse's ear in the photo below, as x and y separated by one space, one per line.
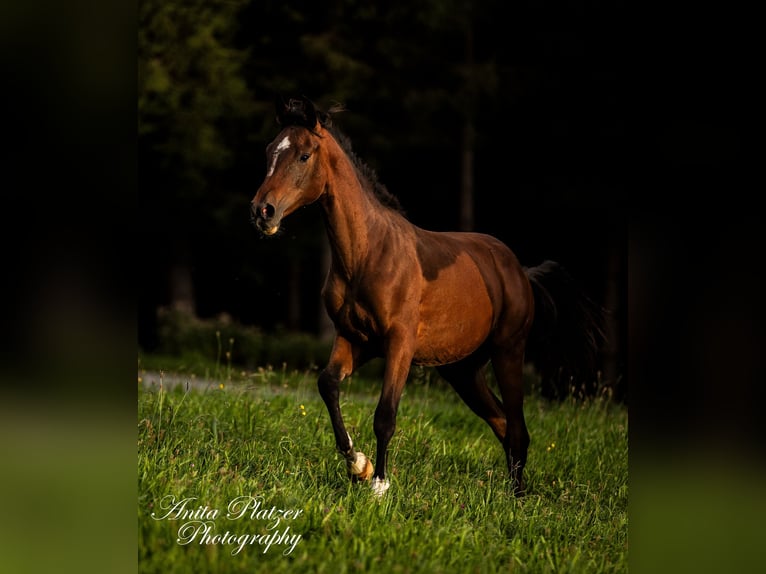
296 112
310 113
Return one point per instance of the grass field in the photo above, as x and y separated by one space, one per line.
266 491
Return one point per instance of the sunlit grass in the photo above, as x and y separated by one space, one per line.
449 508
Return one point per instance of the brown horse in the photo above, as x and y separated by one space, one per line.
456 301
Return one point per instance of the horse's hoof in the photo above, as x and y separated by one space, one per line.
361 469
380 486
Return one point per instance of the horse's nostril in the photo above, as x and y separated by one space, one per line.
262 210
266 211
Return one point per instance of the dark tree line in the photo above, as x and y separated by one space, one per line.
487 115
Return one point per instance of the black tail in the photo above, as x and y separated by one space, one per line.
567 332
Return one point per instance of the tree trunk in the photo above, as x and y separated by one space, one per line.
611 351
466 216
466 177
181 287
294 295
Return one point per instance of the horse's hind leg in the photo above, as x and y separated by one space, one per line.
468 380
342 362
508 364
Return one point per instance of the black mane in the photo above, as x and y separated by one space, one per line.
369 177
302 113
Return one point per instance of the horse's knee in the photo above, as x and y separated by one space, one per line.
328 384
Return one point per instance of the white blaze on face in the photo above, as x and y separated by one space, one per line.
281 146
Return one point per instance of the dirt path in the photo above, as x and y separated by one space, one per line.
152 379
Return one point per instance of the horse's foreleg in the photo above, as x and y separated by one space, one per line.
397 369
341 364
359 466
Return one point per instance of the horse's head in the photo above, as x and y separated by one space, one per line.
295 174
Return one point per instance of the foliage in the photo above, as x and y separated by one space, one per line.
221 341
194 115
189 83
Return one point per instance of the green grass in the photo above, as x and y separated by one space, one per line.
449 508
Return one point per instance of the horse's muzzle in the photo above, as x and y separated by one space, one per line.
263 215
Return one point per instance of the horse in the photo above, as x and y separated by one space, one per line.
456 301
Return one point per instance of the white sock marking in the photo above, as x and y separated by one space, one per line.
380 486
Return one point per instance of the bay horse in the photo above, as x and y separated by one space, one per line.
452 300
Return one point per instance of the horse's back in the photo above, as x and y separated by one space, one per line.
502 273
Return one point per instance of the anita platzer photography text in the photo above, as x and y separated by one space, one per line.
198 523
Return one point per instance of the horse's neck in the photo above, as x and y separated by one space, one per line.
351 216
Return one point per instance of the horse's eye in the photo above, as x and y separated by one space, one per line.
305 157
